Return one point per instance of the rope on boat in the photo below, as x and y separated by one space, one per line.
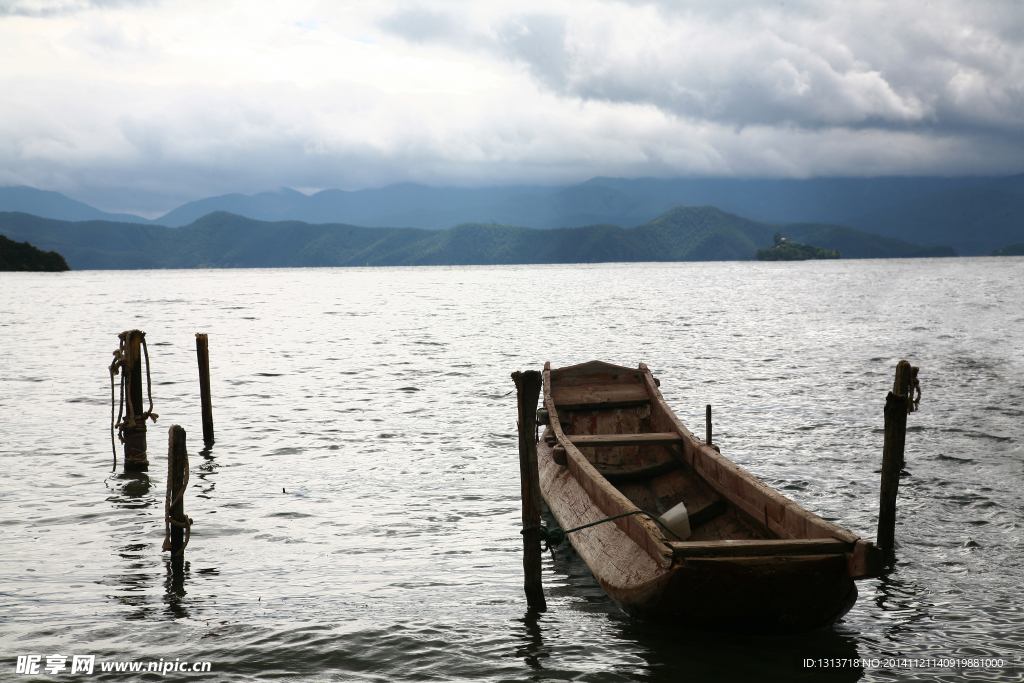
553 536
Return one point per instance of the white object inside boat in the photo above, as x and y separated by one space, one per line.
678 521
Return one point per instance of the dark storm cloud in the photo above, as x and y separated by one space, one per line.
910 65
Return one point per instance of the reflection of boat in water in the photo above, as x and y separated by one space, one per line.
754 560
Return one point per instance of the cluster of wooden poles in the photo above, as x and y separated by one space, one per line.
898 403
132 429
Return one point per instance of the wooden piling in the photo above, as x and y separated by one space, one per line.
133 429
177 524
707 425
528 385
203 355
898 403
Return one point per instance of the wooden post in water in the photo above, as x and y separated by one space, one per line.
177 524
707 425
898 403
203 354
528 386
133 425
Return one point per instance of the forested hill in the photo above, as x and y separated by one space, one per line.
23 256
225 240
972 215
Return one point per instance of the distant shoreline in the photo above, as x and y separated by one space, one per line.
222 239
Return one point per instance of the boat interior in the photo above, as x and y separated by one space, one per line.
608 416
611 428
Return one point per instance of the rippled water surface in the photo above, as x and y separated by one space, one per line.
358 516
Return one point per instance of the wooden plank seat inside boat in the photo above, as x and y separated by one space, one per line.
599 396
702 515
638 462
655 478
711 517
647 466
760 547
652 439
621 475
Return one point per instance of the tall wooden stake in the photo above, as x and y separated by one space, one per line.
203 354
898 403
177 480
707 425
528 386
134 431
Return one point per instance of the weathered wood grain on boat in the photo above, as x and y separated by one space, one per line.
756 561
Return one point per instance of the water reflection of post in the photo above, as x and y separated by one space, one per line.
174 589
532 650
133 584
135 487
900 601
208 467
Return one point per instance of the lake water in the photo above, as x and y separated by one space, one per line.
358 517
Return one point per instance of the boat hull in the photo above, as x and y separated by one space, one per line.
747 595
736 594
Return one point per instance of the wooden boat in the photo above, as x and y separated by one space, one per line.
756 561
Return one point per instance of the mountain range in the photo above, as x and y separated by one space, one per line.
973 215
222 239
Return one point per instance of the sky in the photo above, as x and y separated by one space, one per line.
141 105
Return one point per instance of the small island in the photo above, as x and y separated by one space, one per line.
1016 249
23 256
784 250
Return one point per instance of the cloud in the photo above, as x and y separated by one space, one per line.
421 25
109 41
539 40
825 64
45 8
178 102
